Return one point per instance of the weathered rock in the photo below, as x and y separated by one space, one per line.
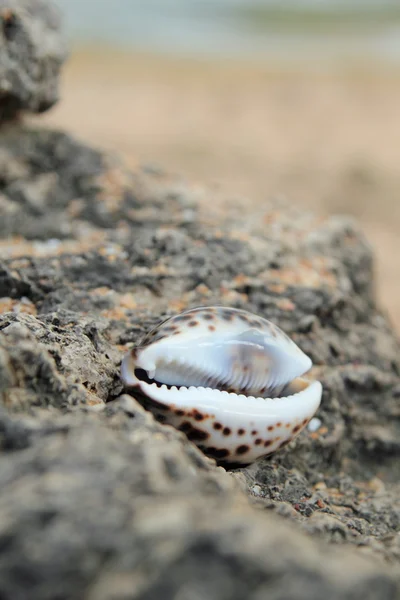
98 256
54 187
32 50
44 364
119 507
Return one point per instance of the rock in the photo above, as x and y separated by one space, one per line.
116 506
100 501
32 50
42 367
52 187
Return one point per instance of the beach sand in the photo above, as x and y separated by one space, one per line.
326 139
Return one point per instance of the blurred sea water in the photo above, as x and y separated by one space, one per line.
293 31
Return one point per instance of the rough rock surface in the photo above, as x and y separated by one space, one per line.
32 51
98 500
116 506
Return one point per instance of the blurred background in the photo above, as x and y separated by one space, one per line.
260 99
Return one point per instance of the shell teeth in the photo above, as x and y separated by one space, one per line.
269 394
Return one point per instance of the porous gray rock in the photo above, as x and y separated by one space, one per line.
53 187
117 506
32 50
100 501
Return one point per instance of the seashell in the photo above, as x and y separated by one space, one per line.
232 381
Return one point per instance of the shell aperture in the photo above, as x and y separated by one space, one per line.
232 381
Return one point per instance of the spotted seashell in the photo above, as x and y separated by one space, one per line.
229 379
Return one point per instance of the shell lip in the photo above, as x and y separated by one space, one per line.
215 402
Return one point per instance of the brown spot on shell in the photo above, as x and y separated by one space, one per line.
227 315
182 318
179 412
270 427
279 424
197 435
193 323
169 328
208 317
217 425
198 416
296 428
211 328
216 452
241 431
226 431
267 443
242 449
254 432
258 441
185 426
